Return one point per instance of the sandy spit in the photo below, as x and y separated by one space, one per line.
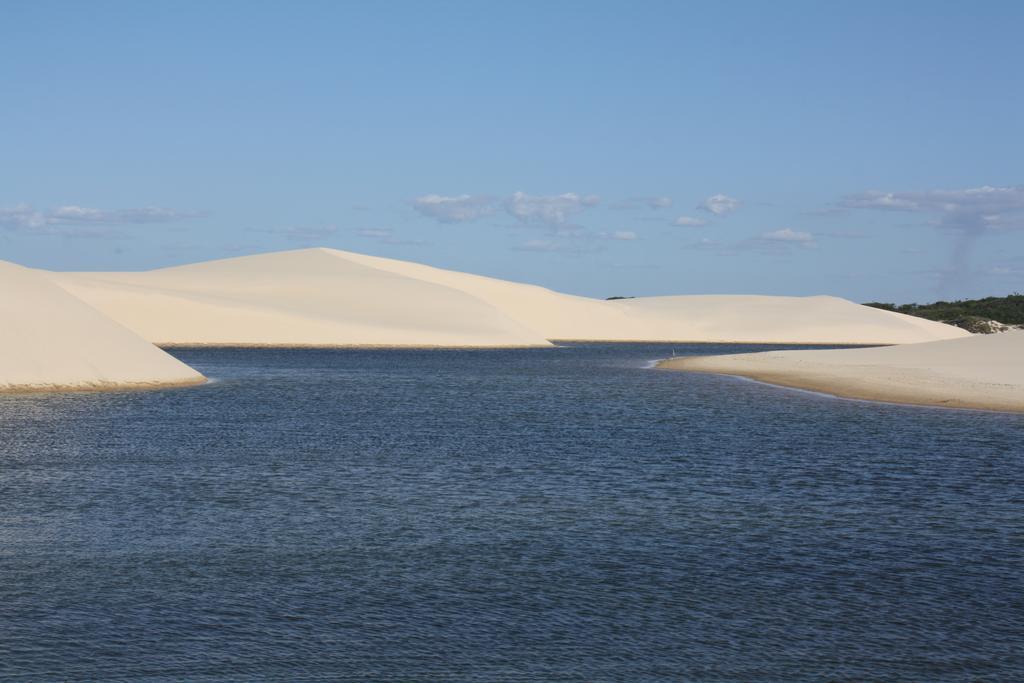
981 372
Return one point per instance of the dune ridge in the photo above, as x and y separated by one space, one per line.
51 341
295 298
328 297
982 371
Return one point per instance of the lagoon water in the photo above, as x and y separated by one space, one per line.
519 515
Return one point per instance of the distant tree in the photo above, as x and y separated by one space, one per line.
968 313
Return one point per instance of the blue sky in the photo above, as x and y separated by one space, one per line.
871 150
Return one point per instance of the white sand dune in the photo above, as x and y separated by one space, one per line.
310 297
327 297
700 318
49 340
981 371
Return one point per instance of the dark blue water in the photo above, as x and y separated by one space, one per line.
533 515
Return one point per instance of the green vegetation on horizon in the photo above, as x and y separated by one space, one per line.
1008 310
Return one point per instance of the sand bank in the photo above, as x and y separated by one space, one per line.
981 371
327 297
50 340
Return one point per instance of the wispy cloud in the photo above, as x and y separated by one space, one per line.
969 213
619 235
659 202
844 234
690 222
649 202
304 235
539 245
570 247
789 236
79 221
458 209
148 214
309 234
387 236
552 211
1006 270
705 244
974 210
720 204
374 233
773 242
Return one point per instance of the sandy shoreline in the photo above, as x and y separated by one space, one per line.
101 387
985 372
462 347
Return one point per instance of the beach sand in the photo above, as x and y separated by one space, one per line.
51 341
980 371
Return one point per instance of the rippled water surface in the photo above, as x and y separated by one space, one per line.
534 515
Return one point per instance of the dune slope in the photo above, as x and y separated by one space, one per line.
700 318
308 297
50 340
780 320
981 371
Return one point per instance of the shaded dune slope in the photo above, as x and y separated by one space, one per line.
49 340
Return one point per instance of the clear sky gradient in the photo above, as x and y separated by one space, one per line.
871 150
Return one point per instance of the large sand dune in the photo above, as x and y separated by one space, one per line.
703 318
981 371
310 297
326 297
50 340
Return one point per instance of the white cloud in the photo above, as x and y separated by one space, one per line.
300 234
309 234
649 202
787 235
573 247
376 233
704 244
1006 270
690 222
78 221
539 245
619 235
720 204
970 214
774 242
387 236
148 214
973 210
458 209
22 217
552 210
